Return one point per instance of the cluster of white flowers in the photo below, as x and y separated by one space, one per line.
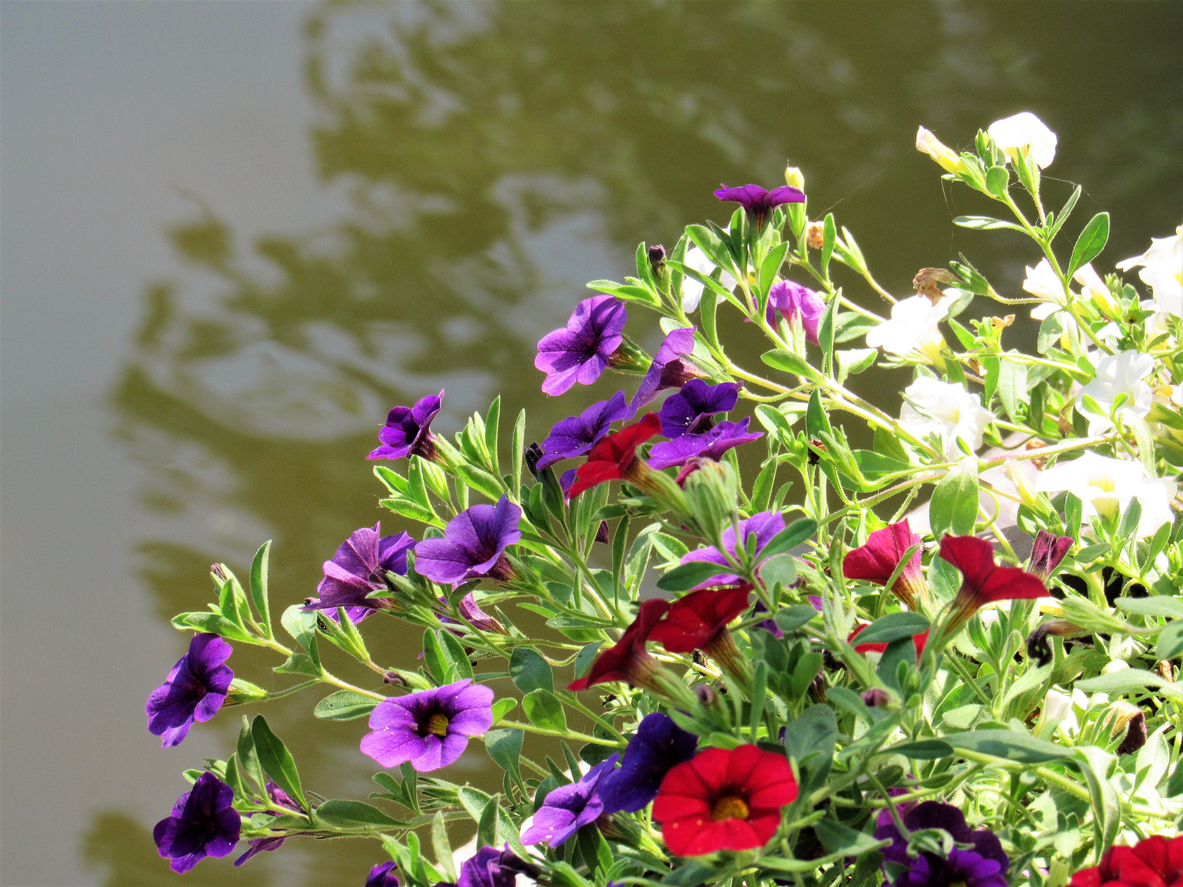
914 327
1162 271
1106 487
949 411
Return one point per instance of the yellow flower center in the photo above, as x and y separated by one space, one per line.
438 724
729 807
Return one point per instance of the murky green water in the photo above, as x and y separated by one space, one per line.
235 234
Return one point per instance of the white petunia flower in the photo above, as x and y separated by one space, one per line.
948 410
1041 281
1118 374
914 326
1022 131
1162 271
929 144
691 288
1094 287
1107 486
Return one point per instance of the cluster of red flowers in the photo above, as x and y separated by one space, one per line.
1155 862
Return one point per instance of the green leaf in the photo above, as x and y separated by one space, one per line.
344 705
544 710
853 361
791 618
1008 744
923 750
301 625
997 180
352 814
816 420
259 593
473 800
829 238
502 707
1128 680
1065 212
893 627
839 838
954 506
780 570
1090 242
492 420
788 538
529 671
276 760
435 660
985 223
689 575
586 657
212 623
771 265
248 760
1094 764
505 747
1012 387
789 362
440 845
1170 607
454 652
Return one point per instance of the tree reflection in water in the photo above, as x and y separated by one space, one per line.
496 156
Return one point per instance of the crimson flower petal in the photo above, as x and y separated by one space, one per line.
614 457
627 659
694 620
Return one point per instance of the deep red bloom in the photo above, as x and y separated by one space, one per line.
724 799
615 457
1155 862
879 558
627 659
982 580
694 621
918 639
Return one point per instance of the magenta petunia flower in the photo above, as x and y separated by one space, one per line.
203 823
710 444
757 202
658 746
408 431
800 306
473 546
358 568
430 728
668 369
1046 554
193 691
690 410
575 436
764 525
881 555
569 807
582 350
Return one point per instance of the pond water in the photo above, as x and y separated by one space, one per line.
234 235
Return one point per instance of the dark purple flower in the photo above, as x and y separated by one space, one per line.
430 728
260 845
408 431
202 824
575 436
491 867
764 525
473 545
383 875
1046 554
582 350
757 202
668 369
569 807
566 479
358 568
658 745
711 444
800 306
193 691
983 866
690 410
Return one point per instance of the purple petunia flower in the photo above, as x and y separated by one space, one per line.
658 745
477 617
983 866
690 410
1047 552
202 824
711 444
408 431
358 568
491 867
800 306
260 845
575 436
583 349
569 807
668 369
384 874
430 728
764 525
193 691
757 202
473 546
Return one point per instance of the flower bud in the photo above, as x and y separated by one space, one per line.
712 493
875 698
929 144
657 258
1056 706
394 679
1129 717
794 178
706 694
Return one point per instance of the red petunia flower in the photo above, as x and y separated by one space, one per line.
627 660
699 622
982 580
615 457
918 639
1155 862
724 799
879 558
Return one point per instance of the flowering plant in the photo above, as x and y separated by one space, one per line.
815 642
